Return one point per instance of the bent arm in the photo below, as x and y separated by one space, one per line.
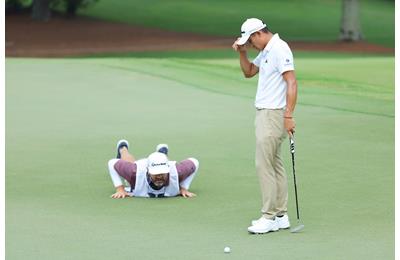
187 169
127 173
248 68
115 178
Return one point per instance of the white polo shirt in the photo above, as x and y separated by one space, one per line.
275 59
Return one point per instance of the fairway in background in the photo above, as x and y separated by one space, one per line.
310 20
64 116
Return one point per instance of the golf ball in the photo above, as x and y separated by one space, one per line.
227 249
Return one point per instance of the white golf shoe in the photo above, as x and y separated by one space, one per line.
253 222
162 148
283 222
263 225
121 143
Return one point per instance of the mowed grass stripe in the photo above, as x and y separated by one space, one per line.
214 73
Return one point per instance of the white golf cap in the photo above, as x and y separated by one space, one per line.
249 27
157 163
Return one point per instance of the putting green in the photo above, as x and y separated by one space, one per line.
64 116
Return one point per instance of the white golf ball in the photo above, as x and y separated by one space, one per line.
227 249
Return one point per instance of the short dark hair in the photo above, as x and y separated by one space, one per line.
263 30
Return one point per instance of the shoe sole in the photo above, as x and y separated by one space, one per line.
272 230
260 233
118 144
163 147
122 141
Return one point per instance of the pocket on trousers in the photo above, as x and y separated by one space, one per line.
263 126
276 124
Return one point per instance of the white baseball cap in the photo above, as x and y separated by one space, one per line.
157 163
249 27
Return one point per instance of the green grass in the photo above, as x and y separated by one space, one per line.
64 116
311 20
227 53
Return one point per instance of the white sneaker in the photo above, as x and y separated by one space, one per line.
121 143
263 225
283 222
162 148
253 222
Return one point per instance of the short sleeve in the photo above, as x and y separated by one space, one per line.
284 60
257 60
126 170
187 169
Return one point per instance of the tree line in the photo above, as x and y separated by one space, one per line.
41 10
350 28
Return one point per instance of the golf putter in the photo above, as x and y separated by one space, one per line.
299 226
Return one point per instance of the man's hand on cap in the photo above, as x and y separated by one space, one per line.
237 47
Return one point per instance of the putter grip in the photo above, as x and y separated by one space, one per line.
291 145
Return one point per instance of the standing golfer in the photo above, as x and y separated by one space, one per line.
275 102
154 176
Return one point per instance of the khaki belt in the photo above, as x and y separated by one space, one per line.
261 108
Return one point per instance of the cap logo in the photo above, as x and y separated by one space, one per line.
157 164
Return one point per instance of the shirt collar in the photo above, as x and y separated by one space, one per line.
271 43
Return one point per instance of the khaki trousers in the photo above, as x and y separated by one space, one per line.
270 133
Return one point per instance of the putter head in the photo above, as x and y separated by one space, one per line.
297 228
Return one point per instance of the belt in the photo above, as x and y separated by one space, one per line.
262 108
